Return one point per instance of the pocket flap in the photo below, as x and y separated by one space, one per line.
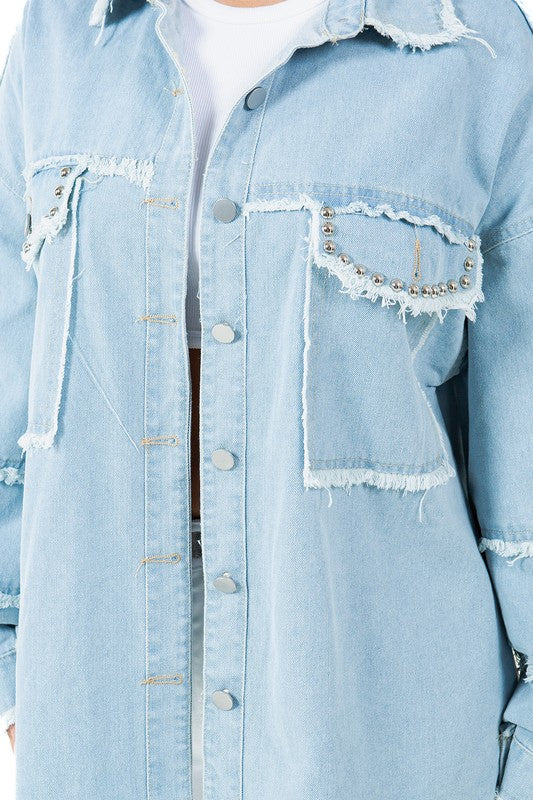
48 196
420 262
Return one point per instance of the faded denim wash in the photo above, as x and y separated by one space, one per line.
374 409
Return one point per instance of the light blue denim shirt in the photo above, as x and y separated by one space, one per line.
367 236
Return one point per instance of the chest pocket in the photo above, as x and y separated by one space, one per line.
377 278
50 249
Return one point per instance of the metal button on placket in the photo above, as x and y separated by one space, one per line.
222 459
255 98
223 333
225 583
223 699
225 210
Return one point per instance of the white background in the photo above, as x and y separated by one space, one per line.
9 18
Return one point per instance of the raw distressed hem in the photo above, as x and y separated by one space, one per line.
304 201
363 286
9 600
343 478
36 440
12 475
506 549
136 171
451 31
7 718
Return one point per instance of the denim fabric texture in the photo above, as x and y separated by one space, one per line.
372 502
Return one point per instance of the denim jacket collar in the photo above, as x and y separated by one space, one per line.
419 25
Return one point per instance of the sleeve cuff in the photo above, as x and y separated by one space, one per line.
517 778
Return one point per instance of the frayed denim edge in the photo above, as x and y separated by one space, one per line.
11 475
452 30
512 550
362 285
9 600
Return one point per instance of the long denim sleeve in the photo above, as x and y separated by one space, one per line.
365 237
17 299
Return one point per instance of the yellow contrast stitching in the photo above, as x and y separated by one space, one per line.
163 679
163 319
171 441
163 202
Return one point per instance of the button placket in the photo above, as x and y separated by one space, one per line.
223 425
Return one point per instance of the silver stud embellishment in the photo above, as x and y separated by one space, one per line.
452 286
329 246
65 171
470 245
464 280
359 269
328 228
58 191
345 259
327 212
426 290
413 290
435 291
377 278
469 263
443 288
53 211
397 285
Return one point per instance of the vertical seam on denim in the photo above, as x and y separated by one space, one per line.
307 342
163 12
244 322
146 515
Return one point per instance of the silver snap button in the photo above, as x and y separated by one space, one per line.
223 333
223 699
65 171
225 583
255 98
222 459
225 210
